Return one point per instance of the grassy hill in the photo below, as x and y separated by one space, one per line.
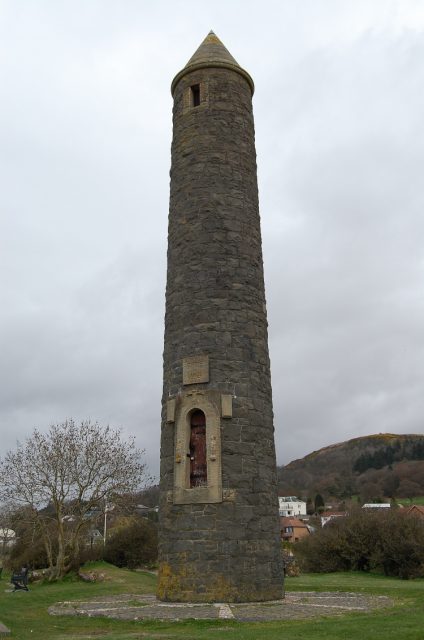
373 467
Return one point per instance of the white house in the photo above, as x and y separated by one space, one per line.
376 505
290 506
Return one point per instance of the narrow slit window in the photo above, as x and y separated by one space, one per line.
195 95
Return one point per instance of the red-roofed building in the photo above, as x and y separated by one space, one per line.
327 516
293 529
416 510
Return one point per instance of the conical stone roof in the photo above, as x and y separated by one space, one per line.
212 53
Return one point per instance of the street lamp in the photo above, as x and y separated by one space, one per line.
108 507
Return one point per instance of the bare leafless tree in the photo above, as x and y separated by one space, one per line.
64 477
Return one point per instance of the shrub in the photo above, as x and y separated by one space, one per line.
28 553
399 550
390 542
133 545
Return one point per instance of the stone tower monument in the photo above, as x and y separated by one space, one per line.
219 531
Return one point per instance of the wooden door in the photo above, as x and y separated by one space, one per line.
198 463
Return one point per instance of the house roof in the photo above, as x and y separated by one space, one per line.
286 521
416 508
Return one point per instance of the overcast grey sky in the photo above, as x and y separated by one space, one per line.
85 133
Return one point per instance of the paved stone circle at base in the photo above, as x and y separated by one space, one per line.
295 606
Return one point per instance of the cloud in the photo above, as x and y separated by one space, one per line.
85 153
345 301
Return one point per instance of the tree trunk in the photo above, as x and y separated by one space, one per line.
74 559
59 569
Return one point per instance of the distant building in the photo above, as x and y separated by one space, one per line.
293 529
289 506
376 505
68 518
94 536
142 510
327 516
416 510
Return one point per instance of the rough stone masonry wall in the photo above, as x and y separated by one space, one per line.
215 305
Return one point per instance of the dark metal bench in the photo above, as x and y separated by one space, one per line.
20 580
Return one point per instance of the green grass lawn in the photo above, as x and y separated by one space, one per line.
407 502
26 613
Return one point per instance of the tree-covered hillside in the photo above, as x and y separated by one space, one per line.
373 467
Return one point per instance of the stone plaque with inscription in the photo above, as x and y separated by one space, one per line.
195 369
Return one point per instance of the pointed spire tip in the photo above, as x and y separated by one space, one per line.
212 53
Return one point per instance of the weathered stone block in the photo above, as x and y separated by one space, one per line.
170 410
226 406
